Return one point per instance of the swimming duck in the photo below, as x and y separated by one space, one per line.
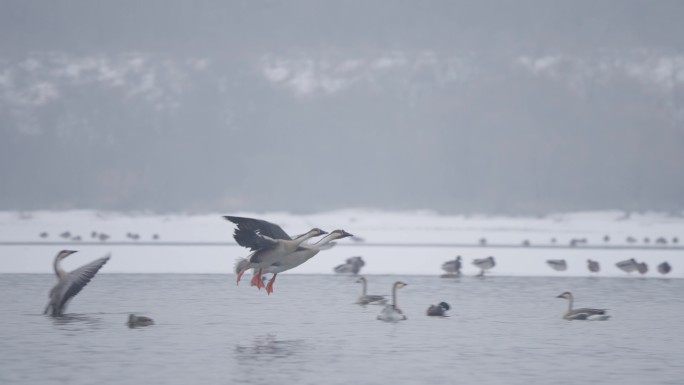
438 310
138 320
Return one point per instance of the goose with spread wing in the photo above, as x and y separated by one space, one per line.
70 283
303 253
268 243
583 314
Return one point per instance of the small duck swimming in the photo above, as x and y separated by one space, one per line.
136 321
438 310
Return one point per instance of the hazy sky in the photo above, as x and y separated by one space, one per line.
457 106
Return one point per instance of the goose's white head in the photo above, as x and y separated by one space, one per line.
339 234
316 232
64 253
400 284
566 295
361 279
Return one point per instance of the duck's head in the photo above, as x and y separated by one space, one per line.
361 279
566 295
444 305
400 284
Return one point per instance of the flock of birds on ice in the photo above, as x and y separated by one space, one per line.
273 251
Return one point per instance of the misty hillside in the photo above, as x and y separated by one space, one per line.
306 106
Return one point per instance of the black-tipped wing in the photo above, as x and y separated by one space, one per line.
75 281
252 240
260 226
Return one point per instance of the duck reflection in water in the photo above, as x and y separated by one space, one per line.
268 347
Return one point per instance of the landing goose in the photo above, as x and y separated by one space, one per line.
369 299
70 284
438 310
268 243
138 321
557 264
664 268
453 267
628 266
584 314
593 266
392 313
303 253
484 264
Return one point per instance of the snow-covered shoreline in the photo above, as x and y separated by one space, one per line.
370 226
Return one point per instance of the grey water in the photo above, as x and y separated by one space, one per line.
501 330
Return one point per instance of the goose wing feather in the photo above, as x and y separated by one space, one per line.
75 281
259 226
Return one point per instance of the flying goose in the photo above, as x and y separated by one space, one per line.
593 266
453 267
70 284
664 268
268 243
628 265
438 310
557 264
303 253
138 320
392 313
584 314
484 264
369 299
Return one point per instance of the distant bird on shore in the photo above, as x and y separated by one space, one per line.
65 235
453 267
628 266
484 264
664 268
557 264
70 284
583 314
44 234
352 266
642 268
593 266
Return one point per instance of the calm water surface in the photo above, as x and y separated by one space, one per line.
209 331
